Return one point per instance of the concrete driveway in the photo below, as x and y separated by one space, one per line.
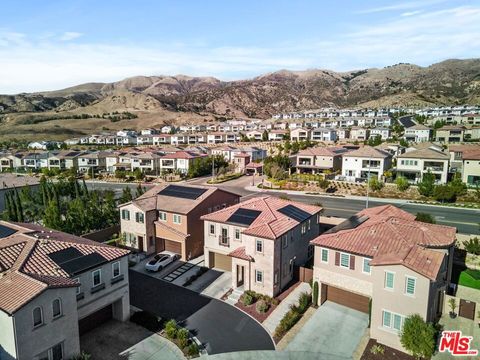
333 331
219 326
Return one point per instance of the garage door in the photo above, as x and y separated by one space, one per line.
96 319
346 298
173 246
220 261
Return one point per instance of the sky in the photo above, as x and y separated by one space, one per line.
53 44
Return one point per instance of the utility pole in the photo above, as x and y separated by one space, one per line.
368 178
213 168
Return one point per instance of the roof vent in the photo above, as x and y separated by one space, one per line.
375 247
428 261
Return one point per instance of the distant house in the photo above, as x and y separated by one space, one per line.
364 162
413 165
277 135
450 134
323 134
418 133
471 167
384 133
299 134
319 159
358 133
254 135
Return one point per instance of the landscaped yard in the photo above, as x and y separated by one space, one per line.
470 278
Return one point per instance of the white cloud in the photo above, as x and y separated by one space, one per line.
401 6
411 13
421 38
70 35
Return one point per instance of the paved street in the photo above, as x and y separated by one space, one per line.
222 327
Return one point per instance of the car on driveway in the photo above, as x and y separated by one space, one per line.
161 260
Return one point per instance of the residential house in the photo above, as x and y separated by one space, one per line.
384 133
417 133
450 134
365 162
145 139
343 134
471 167
65 159
323 134
319 159
148 162
54 287
413 165
179 161
254 135
383 262
94 161
299 134
358 133
167 217
277 135
260 241
9 182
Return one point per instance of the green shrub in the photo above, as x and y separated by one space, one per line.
192 349
426 218
402 183
262 306
304 302
171 329
377 349
182 337
247 299
472 246
290 319
82 356
444 193
148 320
418 337
315 293
375 184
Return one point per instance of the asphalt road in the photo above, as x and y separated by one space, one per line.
467 221
218 325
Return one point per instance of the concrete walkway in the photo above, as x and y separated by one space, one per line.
153 347
219 286
273 320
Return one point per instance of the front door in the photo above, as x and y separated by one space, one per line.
140 243
240 275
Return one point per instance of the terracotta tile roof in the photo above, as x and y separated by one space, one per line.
471 155
240 253
26 269
418 127
368 152
270 223
322 151
389 235
183 155
425 154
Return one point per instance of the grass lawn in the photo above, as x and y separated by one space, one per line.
470 278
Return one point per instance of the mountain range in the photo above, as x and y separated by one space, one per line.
155 100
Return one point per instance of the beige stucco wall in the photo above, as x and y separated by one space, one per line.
470 167
145 230
7 337
31 342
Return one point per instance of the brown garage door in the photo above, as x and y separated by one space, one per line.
346 298
220 261
173 246
96 319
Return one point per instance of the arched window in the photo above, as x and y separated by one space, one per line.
37 316
57 308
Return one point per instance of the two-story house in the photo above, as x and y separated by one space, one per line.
53 288
359 133
323 134
383 133
299 134
365 162
319 159
384 263
94 161
450 134
471 167
277 135
413 165
260 241
167 217
417 133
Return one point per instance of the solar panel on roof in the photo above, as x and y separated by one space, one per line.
6 231
65 255
243 216
351 223
294 213
74 262
182 192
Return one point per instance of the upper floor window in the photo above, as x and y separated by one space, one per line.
259 246
345 260
324 256
212 229
37 316
285 241
366 266
308 224
116 269
125 214
237 234
139 217
96 277
258 276
162 216
389 280
304 228
410 285
79 287
177 219
56 308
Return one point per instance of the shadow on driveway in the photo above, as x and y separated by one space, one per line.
219 326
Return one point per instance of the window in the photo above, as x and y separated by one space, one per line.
366 266
57 352
79 287
259 246
345 260
212 229
96 277
285 241
304 228
310 251
389 280
308 224
237 234
392 321
387 318
56 308
125 214
258 276
410 285
37 317
116 269
177 219
139 217
324 256
162 216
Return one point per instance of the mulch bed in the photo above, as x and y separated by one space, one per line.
389 354
250 310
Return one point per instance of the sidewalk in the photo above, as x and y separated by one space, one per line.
153 347
273 320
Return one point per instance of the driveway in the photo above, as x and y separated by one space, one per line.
333 331
219 326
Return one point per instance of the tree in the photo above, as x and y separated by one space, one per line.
404 143
140 191
374 140
126 195
375 184
265 136
402 183
418 337
139 175
52 218
427 185
472 245
426 218
444 193
315 293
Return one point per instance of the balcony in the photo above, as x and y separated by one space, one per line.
223 240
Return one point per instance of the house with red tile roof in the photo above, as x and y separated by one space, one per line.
261 241
383 262
365 162
53 288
